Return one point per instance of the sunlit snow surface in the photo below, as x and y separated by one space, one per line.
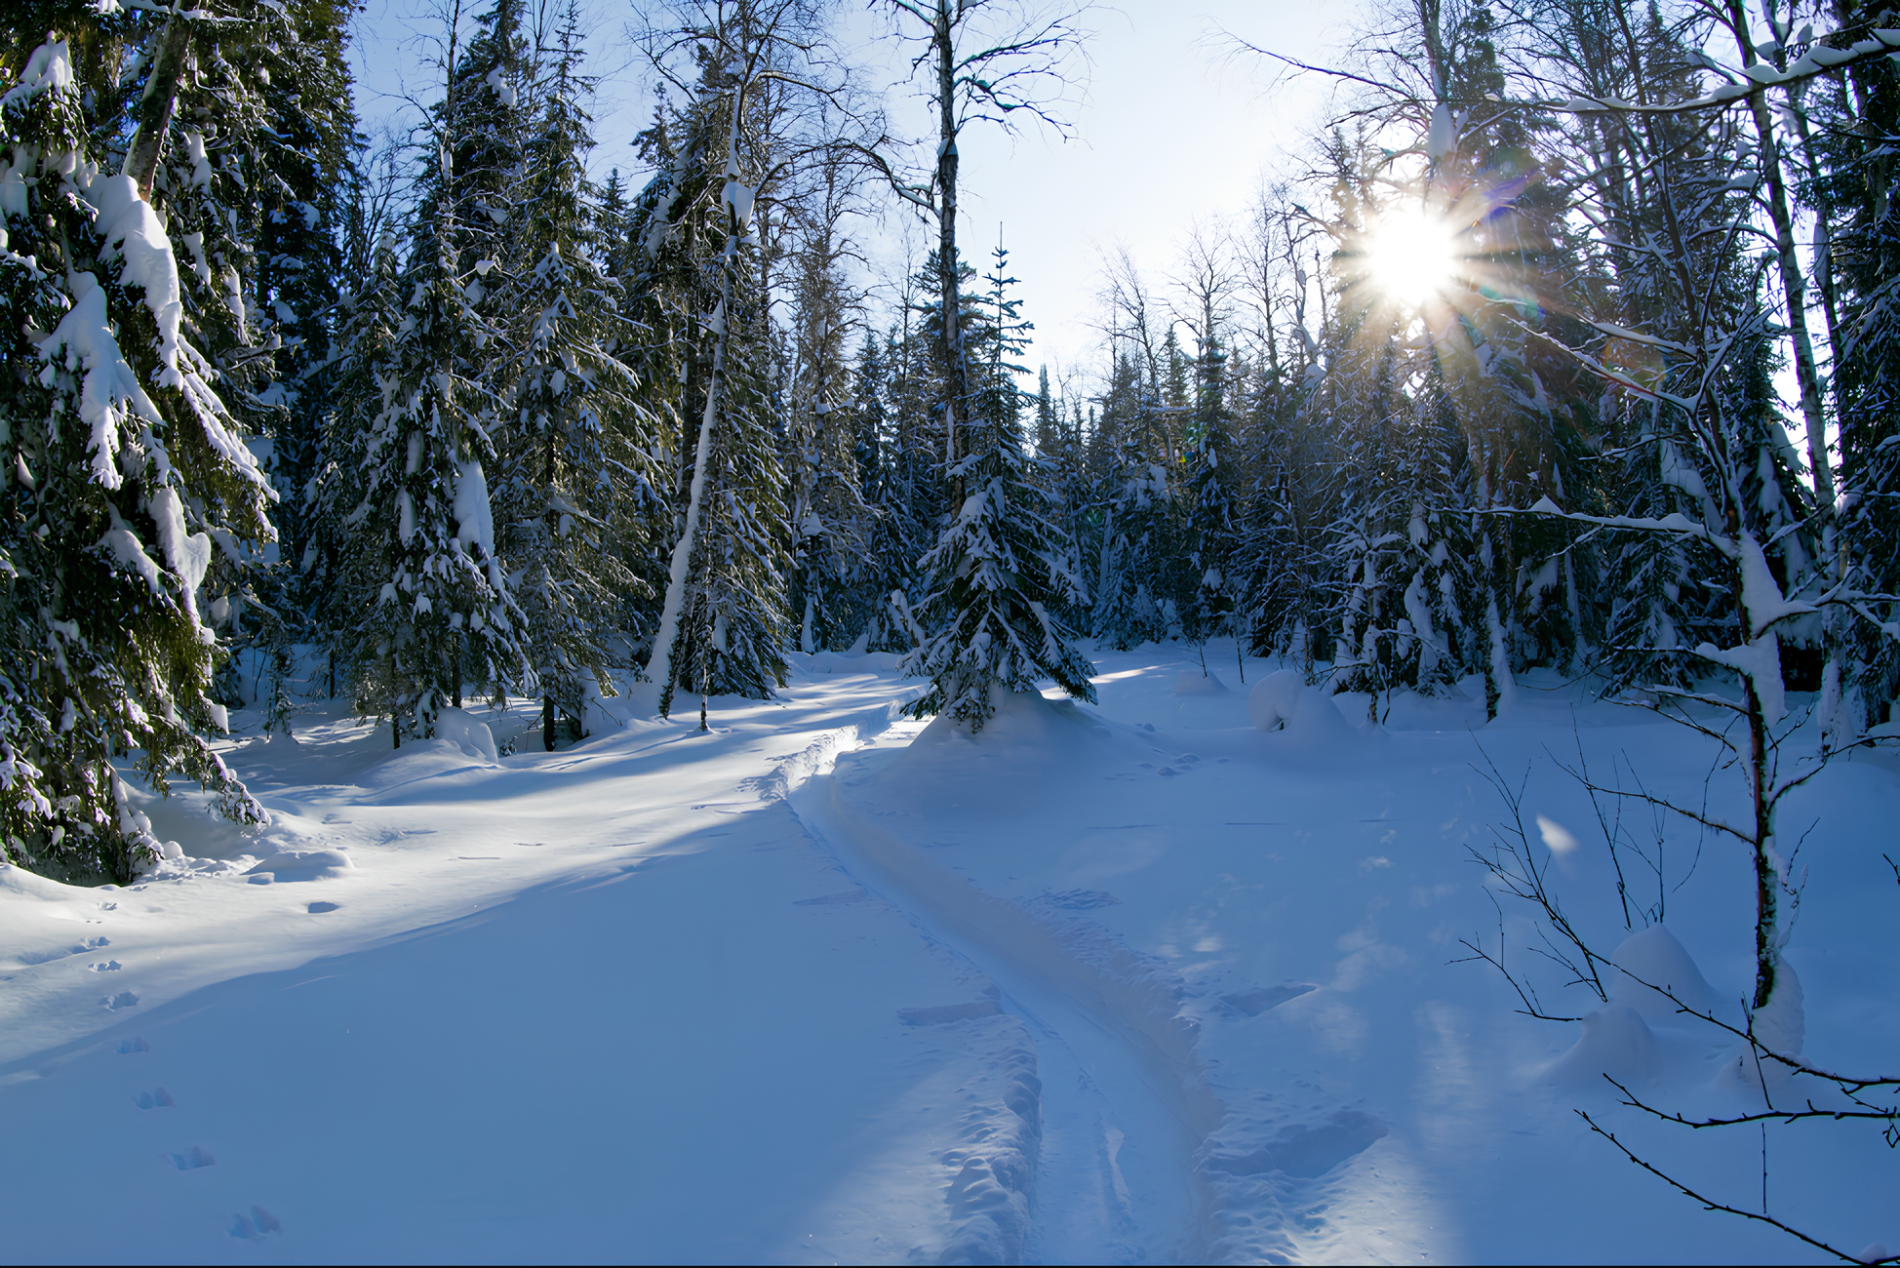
1137 983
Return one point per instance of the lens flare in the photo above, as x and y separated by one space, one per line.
1411 257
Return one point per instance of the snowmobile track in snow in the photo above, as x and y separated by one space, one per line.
1123 1106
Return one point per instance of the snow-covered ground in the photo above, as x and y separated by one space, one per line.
1121 984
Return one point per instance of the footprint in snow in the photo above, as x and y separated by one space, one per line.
318 908
128 1046
255 1225
124 999
157 1098
110 966
192 1159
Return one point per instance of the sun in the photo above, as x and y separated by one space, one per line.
1411 256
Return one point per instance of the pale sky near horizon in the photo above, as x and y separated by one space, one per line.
1171 129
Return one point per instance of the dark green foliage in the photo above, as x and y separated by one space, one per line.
987 622
125 480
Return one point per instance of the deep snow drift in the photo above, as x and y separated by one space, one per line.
1133 983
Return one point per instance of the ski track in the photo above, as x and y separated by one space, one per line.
1123 1110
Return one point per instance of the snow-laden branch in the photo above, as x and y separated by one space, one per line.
1675 522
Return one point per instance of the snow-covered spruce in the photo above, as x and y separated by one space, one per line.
125 478
1000 566
574 437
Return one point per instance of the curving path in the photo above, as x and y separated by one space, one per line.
1123 1106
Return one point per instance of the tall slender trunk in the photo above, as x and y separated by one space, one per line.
660 663
956 386
1834 548
1767 861
1793 281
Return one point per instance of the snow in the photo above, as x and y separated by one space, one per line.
188 554
132 233
50 68
1441 142
474 519
1656 977
1101 984
1274 699
109 392
1557 837
1761 595
466 732
126 549
1760 662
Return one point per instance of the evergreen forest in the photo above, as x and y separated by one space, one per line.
1573 344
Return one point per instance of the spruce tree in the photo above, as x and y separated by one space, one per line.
572 439
1001 566
125 476
828 514
1212 525
435 608
1138 558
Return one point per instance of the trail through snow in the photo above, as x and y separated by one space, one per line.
1139 983
1122 1107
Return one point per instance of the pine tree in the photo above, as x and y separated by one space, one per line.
1212 524
721 624
435 608
126 477
828 514
1138 558
574 435
1001 565
892 474
1855 182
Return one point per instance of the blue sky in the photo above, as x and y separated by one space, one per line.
1167 130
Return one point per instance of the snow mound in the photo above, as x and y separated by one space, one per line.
1781 1024
1616 1041
1650 963
468 733
1203 684
1275 698
1780 1027
1024 723
1282 701
422 759
303 865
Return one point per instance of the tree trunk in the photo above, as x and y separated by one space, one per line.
956 387
660 663
1794 283
547 723
155 107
